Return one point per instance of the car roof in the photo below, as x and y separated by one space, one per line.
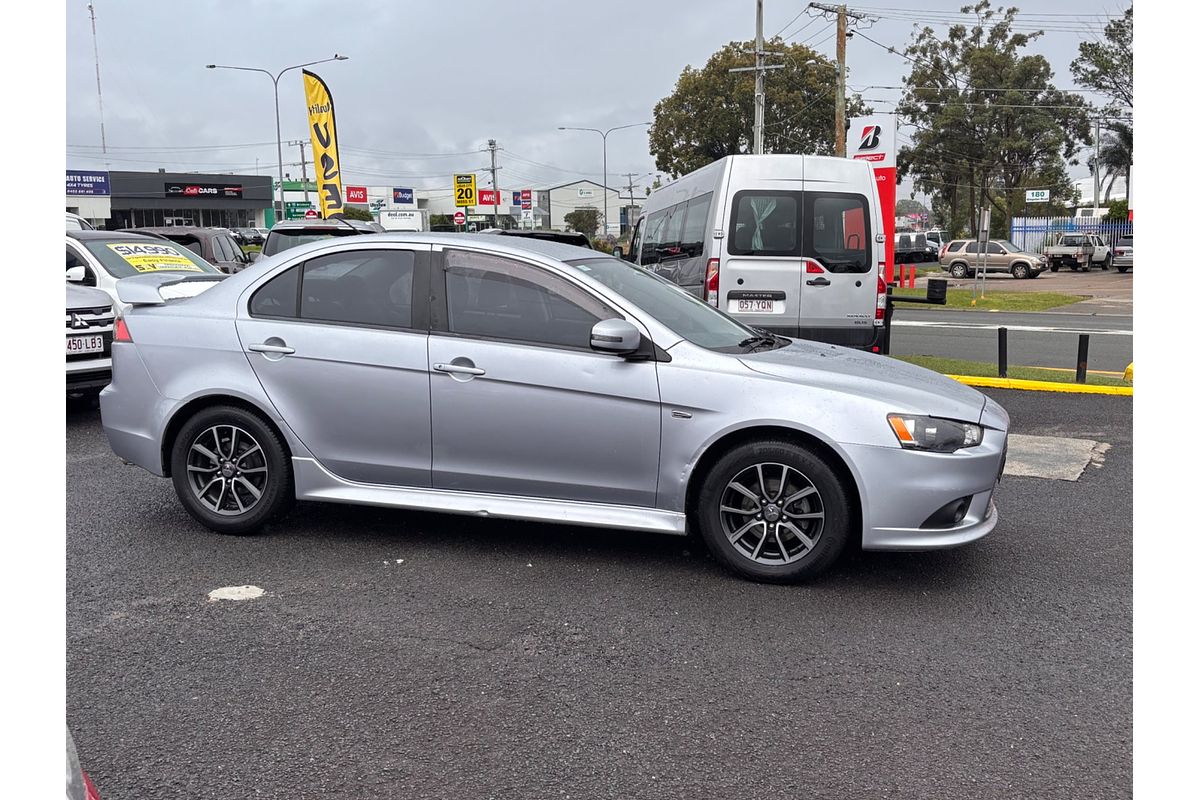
300 224
90 236
502 245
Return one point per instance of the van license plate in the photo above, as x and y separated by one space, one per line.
756 306
85 344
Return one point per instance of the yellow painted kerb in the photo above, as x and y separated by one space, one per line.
1041 386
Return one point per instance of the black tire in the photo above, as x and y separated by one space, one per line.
1104 265
830 534
1122 270
1074 268
1034 274
1054 267
277 492
1020 271
958 271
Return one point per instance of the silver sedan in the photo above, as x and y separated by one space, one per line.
479 375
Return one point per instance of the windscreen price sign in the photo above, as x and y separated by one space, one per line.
464 190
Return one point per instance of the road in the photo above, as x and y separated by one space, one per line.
399 654
1044 339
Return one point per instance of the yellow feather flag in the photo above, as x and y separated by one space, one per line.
324 144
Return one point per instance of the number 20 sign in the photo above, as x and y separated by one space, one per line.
464 190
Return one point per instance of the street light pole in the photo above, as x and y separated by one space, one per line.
604 147
278 131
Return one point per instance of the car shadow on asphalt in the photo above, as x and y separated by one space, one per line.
504 539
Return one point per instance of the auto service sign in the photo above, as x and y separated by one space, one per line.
873 139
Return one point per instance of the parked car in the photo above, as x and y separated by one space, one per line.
1102 255
910 247
296 232
519 378
788 243
78 223
214 245
249 235
90 317
262 233
562 237
101 258
1123 254
1072 250
961 258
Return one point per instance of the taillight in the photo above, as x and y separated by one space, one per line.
942 252
880 301
121 331
712 282
814 268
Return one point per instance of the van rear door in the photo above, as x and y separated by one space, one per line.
761 271
840 281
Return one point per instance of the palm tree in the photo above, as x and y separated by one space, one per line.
1116 155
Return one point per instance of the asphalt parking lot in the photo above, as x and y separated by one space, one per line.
400 654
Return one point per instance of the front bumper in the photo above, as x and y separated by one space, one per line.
906 487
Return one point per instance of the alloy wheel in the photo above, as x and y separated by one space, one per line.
227 470
772 514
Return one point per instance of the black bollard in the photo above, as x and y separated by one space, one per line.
1081 361
1002 334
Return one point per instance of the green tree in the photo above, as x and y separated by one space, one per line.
1107 66
989 122
906 206
584 220
353 212
710 114
1118 211
1116 155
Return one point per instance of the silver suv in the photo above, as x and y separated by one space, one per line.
961 258
89 339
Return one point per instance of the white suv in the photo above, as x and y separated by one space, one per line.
90 318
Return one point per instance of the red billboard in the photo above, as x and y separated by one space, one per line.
489 197
356 194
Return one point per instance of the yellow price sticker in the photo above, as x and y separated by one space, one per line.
155 258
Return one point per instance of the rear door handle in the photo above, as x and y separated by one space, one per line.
818 282
281 349
455 369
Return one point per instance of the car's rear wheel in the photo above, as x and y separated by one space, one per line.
958 271
774 511
231 471
1054 267
1107 262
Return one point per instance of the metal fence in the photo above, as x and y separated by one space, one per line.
1034 234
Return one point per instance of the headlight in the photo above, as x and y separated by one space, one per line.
931 433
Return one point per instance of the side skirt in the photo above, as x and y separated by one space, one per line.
315 482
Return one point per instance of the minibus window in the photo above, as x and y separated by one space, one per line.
836 232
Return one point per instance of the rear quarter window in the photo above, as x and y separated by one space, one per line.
955 247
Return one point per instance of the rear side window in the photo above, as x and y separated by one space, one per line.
358 287
695 226
836 232
955 247
765 224
279 297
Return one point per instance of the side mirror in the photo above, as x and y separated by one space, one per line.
615 336
76 275
618 252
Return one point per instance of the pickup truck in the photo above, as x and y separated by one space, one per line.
1072 250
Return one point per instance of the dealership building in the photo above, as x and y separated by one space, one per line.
116 200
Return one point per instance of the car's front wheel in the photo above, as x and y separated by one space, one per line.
231 471
1020 271
774 511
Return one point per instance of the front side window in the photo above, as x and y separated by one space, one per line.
994 249
499 298
653 233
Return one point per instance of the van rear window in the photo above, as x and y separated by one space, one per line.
830 228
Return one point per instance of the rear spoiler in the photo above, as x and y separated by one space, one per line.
143 290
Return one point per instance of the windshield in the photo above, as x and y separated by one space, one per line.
126 258
687 315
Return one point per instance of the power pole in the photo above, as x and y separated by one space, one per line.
759 68
99 94
303 165
1096 176
839 120
492 148
629 213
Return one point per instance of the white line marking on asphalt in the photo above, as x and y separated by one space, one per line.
235 593
1054 457
912 323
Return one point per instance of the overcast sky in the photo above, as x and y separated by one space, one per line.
429 78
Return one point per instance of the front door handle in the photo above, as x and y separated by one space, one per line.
458 369
818 282
280 349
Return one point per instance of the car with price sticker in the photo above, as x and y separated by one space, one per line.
90 318
509 377
789 243
99 259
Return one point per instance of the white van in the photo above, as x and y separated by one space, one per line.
790 243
